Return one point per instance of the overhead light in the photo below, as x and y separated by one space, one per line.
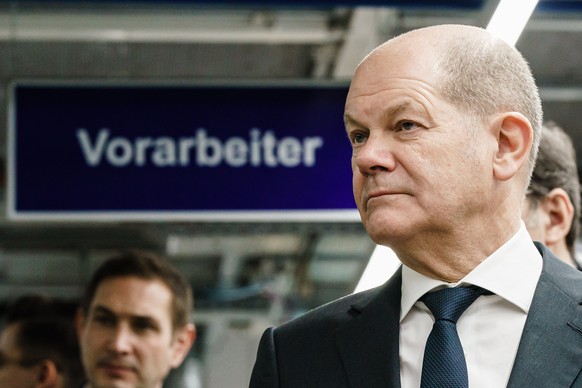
381 266
510 18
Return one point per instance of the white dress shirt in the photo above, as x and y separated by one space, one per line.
490 329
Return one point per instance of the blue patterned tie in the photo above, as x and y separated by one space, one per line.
444 364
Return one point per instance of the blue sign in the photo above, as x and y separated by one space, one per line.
205 152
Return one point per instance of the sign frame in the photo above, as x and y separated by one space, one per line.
267 215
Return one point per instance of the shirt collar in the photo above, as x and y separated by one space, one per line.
512 272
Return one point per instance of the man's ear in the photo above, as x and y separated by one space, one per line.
183 341
560 211
47 374
514 137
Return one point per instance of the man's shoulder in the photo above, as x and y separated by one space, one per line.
314 329
333 313
560 274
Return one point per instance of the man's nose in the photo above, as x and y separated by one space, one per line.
375 155
122 339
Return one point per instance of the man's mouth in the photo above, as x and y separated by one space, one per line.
381 193
117 368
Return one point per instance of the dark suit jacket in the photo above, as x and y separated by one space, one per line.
353 342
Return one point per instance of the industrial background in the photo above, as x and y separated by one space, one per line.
246 275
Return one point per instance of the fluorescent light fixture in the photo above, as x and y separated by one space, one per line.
510 18
381 266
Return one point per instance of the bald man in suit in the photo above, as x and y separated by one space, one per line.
444 124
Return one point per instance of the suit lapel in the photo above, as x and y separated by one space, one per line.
552 337
368 340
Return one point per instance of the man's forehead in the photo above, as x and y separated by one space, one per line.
398 70
133 297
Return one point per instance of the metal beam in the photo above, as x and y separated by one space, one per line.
368 28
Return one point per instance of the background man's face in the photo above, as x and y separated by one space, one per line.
127 335
12 374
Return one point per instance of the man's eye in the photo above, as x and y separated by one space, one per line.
140 326
104 320
408 125
358 138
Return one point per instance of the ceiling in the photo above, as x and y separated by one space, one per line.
239 265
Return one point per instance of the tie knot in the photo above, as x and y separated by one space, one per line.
450 303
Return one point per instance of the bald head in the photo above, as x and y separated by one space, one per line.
477 72
444 123
430 44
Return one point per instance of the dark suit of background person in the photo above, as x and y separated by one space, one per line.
444 124
551 210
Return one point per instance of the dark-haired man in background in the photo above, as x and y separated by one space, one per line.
134 323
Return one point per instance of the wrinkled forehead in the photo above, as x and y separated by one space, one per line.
416 49
393 67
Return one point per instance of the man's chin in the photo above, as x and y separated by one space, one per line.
387 231
110 382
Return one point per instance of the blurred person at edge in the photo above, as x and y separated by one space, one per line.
551 210
134 322
38 346
444 124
